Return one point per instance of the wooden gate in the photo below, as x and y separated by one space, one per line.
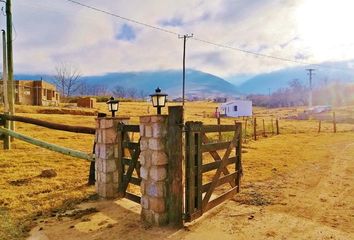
207 170
128 162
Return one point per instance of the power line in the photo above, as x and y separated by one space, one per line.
123 18
250 52
202 40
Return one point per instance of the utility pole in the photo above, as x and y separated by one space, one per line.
7 143
184 64
4 72
310 70
10 68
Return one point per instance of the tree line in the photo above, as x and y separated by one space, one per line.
68 80
297 94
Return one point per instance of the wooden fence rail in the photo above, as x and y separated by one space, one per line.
56 126
52 147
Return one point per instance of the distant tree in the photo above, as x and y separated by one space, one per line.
296 94
67 79
102 90
142 94
132 92
99 90
84 89
119 92
259 99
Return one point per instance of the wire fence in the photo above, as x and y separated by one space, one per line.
254 128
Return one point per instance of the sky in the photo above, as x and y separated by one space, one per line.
50 32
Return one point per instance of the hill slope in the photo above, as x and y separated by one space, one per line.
261 83
197 83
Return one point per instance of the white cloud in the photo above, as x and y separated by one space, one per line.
53 31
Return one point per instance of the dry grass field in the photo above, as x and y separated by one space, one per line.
286 172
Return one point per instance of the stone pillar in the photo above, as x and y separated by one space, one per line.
106 154
153 171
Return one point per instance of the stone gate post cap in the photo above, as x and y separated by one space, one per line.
155 115
112 118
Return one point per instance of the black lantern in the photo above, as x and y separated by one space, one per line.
112 105
158 99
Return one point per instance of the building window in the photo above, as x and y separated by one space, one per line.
235 108
27 91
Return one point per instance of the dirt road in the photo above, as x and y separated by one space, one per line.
314 201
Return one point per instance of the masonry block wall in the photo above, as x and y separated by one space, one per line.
106 153
153 171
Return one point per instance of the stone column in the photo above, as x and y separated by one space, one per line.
153 171
106 153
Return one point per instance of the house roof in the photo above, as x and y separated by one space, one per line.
235 102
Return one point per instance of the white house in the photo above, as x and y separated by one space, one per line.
236 108
319 109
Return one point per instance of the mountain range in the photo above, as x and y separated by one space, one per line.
198 83
330 72
205 85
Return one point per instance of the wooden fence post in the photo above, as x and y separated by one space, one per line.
175 176
264 131
277 126
319 126
255 128
238 156
193 200
219 122
5 138
272 126
92 171
120 154
245 130
334 122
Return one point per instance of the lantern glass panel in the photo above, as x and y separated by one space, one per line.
114 106
162 101
154 100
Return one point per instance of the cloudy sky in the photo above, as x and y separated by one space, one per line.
49 32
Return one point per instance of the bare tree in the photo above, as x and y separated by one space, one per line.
142 94
101 90
119 92
293 95
67 79
132 92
